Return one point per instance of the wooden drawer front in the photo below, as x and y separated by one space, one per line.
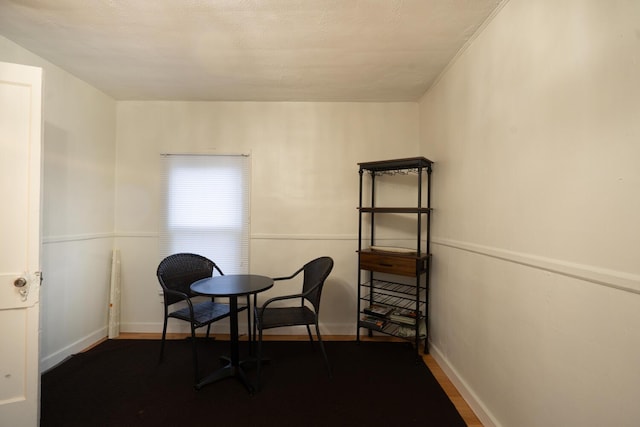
404 266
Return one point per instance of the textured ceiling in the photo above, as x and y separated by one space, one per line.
258 50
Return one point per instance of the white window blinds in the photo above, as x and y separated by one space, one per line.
205 208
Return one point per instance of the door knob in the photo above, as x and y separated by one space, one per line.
20 282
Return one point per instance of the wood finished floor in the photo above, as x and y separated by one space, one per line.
461 405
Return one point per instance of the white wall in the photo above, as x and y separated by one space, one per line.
77 208
304 187
535 132
304 194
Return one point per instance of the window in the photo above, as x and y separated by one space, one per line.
205 208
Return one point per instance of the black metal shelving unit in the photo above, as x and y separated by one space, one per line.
395 279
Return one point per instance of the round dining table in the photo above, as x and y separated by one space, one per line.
231 286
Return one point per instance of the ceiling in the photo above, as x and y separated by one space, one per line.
248 50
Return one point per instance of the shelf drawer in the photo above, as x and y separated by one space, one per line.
388 263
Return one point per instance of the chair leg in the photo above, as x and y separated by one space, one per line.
324 353
250 338
310 336
195 353
164 335
259 369
254 317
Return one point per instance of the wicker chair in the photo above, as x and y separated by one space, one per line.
176 273
305 312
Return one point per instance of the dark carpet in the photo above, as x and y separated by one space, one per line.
120 383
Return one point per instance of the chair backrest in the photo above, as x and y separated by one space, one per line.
315 274
178 271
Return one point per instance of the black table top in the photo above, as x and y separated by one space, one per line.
232 285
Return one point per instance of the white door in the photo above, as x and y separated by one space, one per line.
20 145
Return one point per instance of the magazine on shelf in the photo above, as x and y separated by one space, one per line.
410 331
378 310
407 317
373 322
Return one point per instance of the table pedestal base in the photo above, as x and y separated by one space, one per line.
232 286
228 371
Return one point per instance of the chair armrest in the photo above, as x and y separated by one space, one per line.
171 292
260 310
281 298
181 295
289 277
287 297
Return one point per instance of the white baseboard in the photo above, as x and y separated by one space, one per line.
476 405
174 327
222 327
51 360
